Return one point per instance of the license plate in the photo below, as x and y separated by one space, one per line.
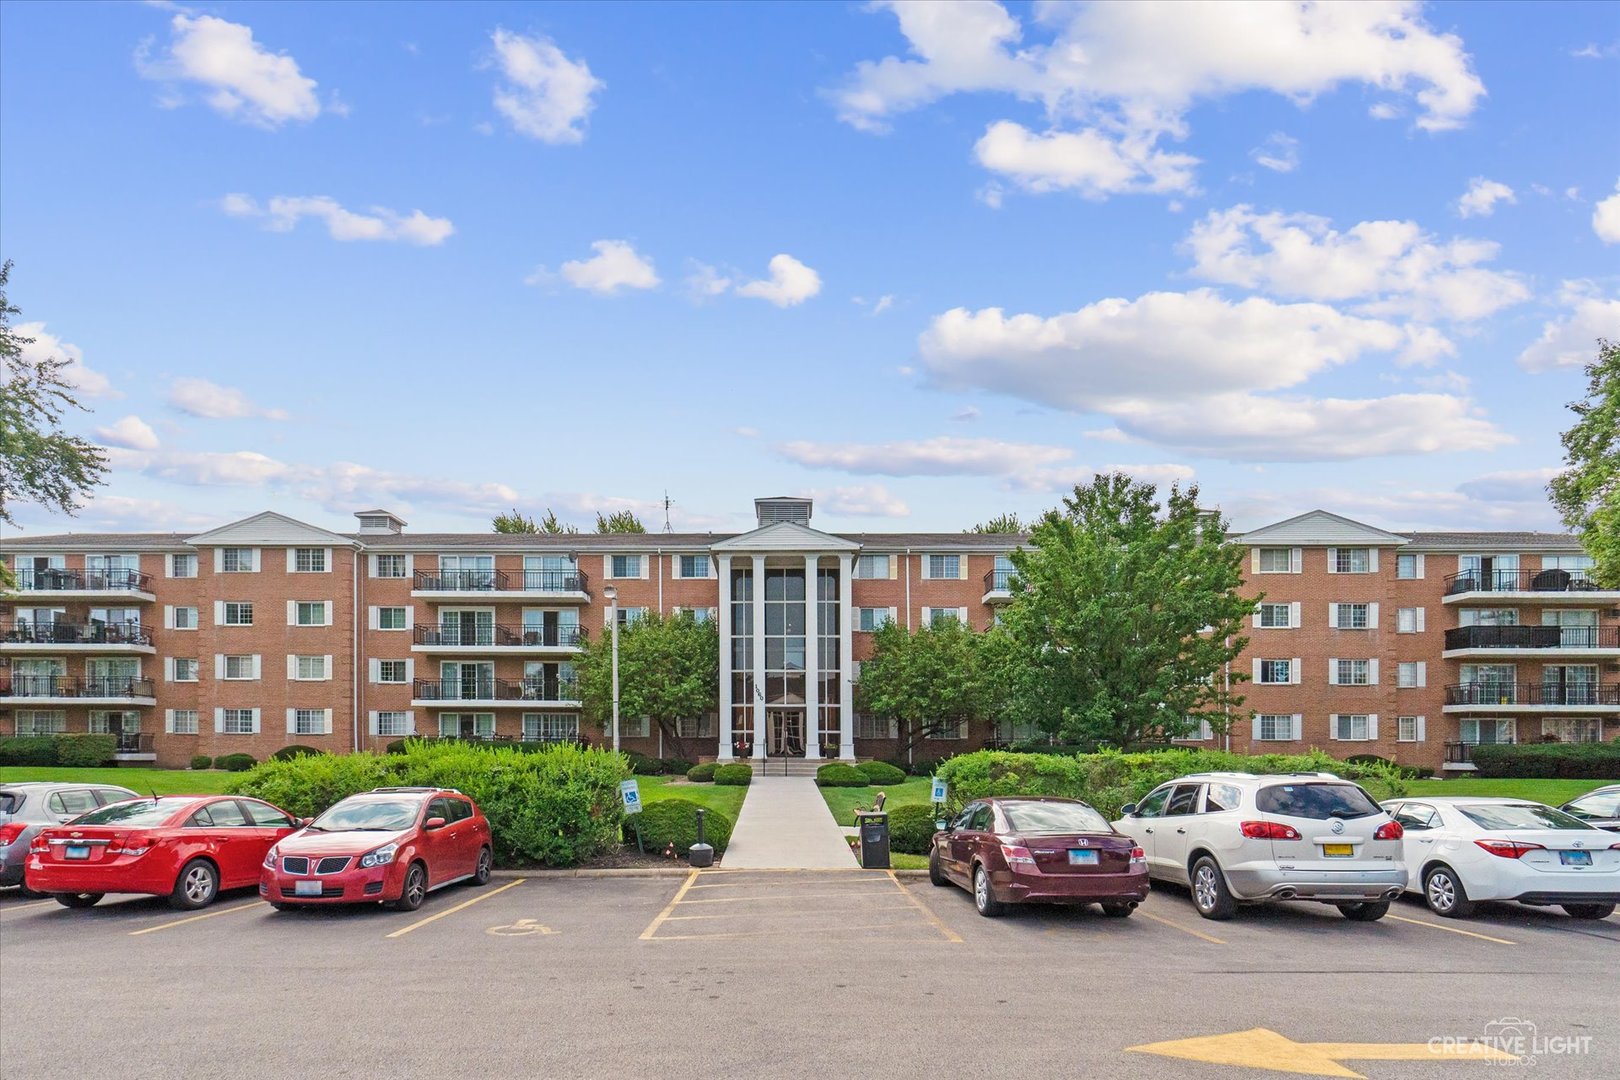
76 853
1338 851
1575 858
1082 857
306 888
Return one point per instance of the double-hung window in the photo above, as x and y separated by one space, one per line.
390 566
182 721
1352 727
309 722
1408 567
1411 674
391 618
183 669
1352 672
183 565
1350 616
869 619
624 566
238 721
310 668
309 560
236 560
391 671
1276 616
693 566
943 566
185 618
1276 560
1352 560
1276 672
309 613
393 723
868 567
1274 727
238 613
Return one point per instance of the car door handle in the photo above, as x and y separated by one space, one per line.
1149 831
1182 831
1425 839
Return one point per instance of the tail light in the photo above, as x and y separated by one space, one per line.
1389 830
1509 849
1268 830
133 845
10 831
1017 856
1140 856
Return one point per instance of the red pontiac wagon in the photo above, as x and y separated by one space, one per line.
1039 850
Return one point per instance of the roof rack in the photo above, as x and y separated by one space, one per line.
409 790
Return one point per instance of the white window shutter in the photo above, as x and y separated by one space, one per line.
292 721
1254 564
607 567
1333 726
219 665
328 669
894 615
1372 726
168 669
961 614
961 574
1372 673
219 613
410 568
1420 620
372 720
371 617
168 616
292 613
1299 727
219 560
292 666
375 668
256 715
371 565
410 670
1296 670
1254 733
326 613
1422 735
1372 560
168 721
1333 560
1254 619
326 721
292 560
1420 566
219 721
1257 671
1333 672
1333 616
410 722
256 669
1423 673
1296 560
1295 615
410 616
257 552
1372 615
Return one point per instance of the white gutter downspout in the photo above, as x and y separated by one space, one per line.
908 590
354 656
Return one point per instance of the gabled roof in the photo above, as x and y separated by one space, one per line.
786 536
1320 528
269 528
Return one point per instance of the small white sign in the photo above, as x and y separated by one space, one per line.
631 795
940 788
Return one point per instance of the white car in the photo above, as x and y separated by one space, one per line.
1240 838
1461 850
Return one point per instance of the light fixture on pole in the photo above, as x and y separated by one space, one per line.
612 594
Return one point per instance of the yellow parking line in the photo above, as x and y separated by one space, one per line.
1452 930
781 896
1177 926
480 898
194 918
950 935
658 920
795 932
782 914
25 907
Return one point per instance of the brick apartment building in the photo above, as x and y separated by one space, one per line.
267 632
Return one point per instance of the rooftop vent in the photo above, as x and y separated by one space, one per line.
379 523
782 508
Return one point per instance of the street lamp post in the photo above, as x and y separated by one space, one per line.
612 594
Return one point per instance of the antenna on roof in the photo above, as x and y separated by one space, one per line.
667 504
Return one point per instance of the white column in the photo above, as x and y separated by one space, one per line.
812 674
846 663
724 615
759 657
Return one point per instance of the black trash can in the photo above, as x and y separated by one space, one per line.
874 830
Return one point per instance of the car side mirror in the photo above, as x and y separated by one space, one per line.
433 823
305 822
1128 810
942 826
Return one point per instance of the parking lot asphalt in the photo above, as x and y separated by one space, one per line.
791 974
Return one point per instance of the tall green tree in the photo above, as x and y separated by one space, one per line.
39 462
622 521
926 681
516 522
669 670
1125 619
1587 493
1001 523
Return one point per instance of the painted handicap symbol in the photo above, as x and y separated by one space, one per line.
521 928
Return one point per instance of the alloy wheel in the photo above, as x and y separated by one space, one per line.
1442 892
416 885
1204 893
199 884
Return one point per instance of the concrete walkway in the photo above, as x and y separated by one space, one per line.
785 824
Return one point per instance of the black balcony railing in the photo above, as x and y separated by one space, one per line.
530 688
498 636
999 580
1506 693
54 579
135 742
1533 637
1520 581
72 686
459 580
554 580
67 633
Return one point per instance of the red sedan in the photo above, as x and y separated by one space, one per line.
1048 851
391 845
185 847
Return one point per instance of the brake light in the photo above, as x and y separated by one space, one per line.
1389 830
133 845
1509 849
1140 856
10 832
1017 856
1268 830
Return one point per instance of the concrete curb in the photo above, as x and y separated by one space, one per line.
660 871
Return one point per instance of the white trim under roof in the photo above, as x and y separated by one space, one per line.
1318 528
270 529
785 536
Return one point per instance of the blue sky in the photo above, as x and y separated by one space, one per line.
927 263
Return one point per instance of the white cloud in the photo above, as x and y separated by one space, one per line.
1087 162
545 95
1593 51
199 397
861 500
1571 341
1066 478
966 414
939 456
241 79
616 265
1279 153
47 346
791 282
1521 485
1482 196
883 303
1399 506
704 281
1606 218
131 432
1392 267
746 432
283 212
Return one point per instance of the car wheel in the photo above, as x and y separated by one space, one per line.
196 886
983 897
1589 911
486 862
1369 911
415 890
79 899
1443 891
936 873
1118 911
1209 892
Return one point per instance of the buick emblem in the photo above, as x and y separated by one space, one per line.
1336 825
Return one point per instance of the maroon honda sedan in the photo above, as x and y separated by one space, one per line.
1037 850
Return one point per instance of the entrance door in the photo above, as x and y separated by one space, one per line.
786 728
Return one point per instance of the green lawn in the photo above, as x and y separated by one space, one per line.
728 800
143 781
1551 792
844 801
901 861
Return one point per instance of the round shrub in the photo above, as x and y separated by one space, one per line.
201 761
235 762
702 774
28 750
674 766
840 775
734 775
642 765
881 773
911 829
85 751
287 753
674 821
395 747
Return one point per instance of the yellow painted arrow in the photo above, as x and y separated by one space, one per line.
1260 1048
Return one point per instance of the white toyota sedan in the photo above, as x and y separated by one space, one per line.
1460 850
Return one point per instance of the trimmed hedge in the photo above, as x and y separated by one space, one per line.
1547 761
734 775
881 773
85 751
911 829
556 807
674 821
702 774
201 761
838 774
235 762
287 753
28 750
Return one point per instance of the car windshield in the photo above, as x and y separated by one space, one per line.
1317 801
141 812
1041 818
1509 817
389 815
